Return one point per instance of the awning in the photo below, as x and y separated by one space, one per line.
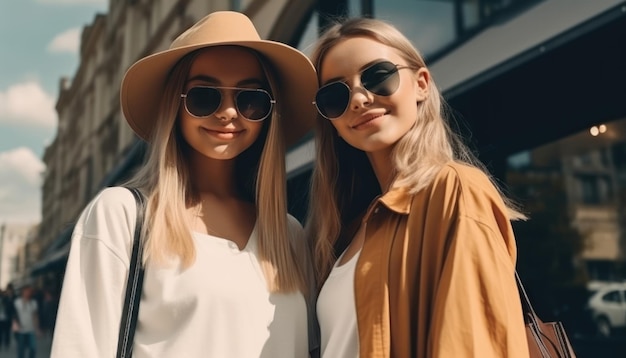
131 159
550 72
54 261
532 33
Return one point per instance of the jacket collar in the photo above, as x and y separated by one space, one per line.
397 199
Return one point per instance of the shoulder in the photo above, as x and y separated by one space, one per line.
465 180
296 233
301 249
112 199
467 188
462 175
110 214
294 229
293 223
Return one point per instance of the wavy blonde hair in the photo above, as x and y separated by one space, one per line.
260 176
343 182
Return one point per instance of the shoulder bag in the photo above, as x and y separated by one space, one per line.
134 284
545 339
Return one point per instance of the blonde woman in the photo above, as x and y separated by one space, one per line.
413 243
226 266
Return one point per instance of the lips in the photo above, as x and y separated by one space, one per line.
223 133
366 118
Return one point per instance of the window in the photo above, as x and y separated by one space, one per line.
612 297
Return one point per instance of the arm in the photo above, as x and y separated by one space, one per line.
477 306
90 305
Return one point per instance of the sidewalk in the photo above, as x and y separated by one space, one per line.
43 348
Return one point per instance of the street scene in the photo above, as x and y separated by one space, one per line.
43 348
422 151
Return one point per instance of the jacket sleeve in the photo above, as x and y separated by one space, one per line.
477 310
94 284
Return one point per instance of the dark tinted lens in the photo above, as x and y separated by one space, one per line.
254 105
381 78
333 99
202 101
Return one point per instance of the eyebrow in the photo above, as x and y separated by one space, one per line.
361 69
215 81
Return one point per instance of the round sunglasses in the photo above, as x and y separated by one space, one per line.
381 78
253 104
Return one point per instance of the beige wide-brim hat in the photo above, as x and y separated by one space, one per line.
144 82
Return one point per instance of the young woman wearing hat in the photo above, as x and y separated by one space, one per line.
413 243
227 271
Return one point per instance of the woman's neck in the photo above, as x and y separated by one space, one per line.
213 176
384 168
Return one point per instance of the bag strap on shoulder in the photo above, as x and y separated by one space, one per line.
134 283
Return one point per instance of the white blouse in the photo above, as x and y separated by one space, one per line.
218 307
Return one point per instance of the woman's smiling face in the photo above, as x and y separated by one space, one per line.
371 122
224 134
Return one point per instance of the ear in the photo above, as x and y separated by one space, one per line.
422 84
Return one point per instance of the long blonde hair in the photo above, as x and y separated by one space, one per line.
260 176
343 182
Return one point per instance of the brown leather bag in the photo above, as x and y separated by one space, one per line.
545 339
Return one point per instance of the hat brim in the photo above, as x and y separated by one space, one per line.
143 84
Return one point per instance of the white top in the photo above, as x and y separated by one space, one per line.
218 307
26 311
336 312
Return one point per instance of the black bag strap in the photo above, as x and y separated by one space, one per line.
134 284
529 313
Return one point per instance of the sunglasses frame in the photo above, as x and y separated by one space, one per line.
239 91
398 67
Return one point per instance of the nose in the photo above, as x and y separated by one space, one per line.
227 110
359 97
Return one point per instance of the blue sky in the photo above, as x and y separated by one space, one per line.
40 41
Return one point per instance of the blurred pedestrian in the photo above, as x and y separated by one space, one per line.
26 323
227 269
7 311
48 311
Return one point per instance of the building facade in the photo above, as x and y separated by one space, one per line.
19 250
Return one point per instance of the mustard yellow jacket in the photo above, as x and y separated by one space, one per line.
435 277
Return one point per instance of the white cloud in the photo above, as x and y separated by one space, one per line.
20 186
27 102
68 41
